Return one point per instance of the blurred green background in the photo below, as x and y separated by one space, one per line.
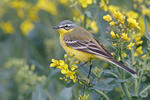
28 43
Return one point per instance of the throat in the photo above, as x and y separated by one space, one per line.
63 31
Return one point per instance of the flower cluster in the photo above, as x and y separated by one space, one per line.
125 32
103 4
84 97
7 27
85 3
66 69
24 75
27 14
91 25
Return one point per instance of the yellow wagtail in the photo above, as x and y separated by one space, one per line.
78 42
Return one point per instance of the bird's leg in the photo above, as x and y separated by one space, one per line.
89 72
82 64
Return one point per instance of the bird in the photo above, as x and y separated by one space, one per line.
79 42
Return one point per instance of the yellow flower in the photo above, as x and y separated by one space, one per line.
33 13
143 57
139 42
20 13
84 97
119 16
113 34
145 11
130 45
85 3
64 71
94 26
112 23
137 38
47 6
132 23
18 4
73 67
138 51
104 4
107 18
54 63
119 58
63 2
26 27
132 14
113 8
124 55
125 37
7 27
114 44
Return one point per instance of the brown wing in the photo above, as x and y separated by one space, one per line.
87 46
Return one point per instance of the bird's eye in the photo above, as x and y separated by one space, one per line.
66 25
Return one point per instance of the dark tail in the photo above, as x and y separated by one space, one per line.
120 65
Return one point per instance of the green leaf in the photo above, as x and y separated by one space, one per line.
38 93
102 93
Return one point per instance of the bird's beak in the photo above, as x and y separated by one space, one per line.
56 27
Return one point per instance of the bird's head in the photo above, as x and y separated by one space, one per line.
65 26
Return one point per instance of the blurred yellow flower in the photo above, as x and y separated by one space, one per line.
85 3
132 23
113 8
84 97
18 4
26 26
20 13
130 45
143 57
7 27
113 34
112 23
107 18
145 11
142 26
47 6
94 26
103 4
119 16
33 13
137 38
125 37
132 14
138 51
73 67
63 2
124 54
114 44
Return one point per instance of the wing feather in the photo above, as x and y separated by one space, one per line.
87 46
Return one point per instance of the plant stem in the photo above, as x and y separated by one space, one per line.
85 18
124 86
136 87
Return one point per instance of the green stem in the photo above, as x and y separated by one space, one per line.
102 93
136 87
85 18
124 84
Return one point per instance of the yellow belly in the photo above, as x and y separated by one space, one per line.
79 55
